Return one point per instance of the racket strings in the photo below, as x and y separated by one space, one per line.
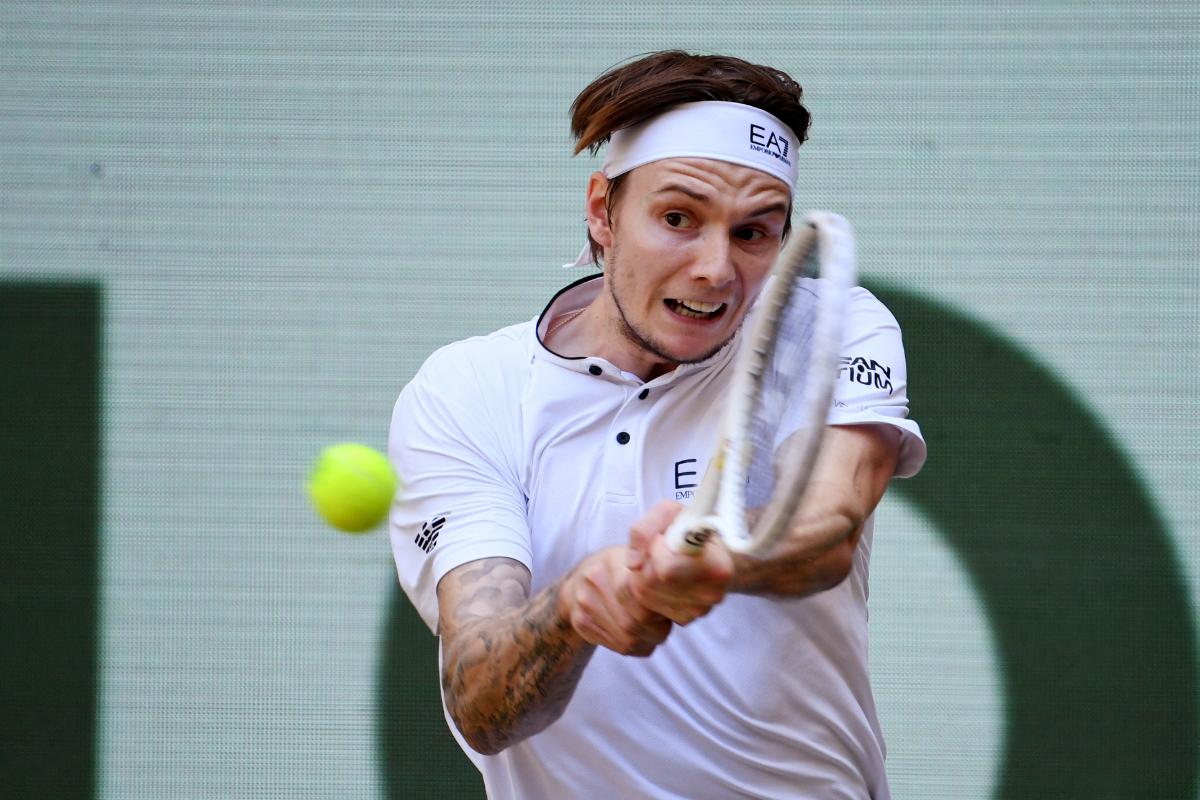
783 406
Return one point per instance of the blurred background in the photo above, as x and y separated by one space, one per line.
231 232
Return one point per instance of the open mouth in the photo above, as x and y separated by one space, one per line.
696 309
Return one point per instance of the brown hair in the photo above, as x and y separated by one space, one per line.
655 83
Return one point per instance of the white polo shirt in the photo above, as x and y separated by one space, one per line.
511 450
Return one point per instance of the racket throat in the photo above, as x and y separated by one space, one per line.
688 534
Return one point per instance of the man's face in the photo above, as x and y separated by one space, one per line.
688 247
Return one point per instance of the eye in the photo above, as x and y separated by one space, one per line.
750 234
675 219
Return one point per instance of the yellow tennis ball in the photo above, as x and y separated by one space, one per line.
351 486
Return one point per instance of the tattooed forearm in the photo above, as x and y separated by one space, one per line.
818 553
817 556
509 663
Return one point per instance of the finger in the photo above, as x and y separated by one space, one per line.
586 628
595 628
683 587
646 646
711 566
644 618
663 602
632 617
650 527
609 617
678 611
590 614
608 633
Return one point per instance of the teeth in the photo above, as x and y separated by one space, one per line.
696 309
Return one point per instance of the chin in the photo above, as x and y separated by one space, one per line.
695 352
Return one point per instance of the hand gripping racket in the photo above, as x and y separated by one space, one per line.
779 398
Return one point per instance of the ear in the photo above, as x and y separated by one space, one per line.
597 214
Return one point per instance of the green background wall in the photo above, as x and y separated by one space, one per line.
230 232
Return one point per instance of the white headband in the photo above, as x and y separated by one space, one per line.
733 132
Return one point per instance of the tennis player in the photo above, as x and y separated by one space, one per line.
581 657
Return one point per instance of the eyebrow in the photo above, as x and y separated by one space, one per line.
704 198
676 187
782 208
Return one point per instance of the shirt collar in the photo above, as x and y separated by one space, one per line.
578 295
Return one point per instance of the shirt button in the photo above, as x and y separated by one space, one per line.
595 370
622 438
643 394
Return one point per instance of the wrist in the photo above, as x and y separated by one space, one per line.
565 602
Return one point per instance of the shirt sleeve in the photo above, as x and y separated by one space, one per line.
872 385
461 498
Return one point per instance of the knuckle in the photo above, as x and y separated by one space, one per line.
586 603
593 574
675 571
644 600
721 572
628 647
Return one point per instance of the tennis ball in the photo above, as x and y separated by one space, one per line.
351 486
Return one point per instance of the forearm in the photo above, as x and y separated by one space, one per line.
818 552
816 555
508 675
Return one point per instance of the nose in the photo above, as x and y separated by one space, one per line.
714 260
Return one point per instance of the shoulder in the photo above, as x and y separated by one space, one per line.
864 313
870 325
471 384
480 363
509 348
864 307
872 384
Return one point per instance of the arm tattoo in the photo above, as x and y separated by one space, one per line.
510 663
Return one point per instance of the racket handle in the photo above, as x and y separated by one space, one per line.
687 534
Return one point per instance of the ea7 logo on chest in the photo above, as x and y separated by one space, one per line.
769 142
685 478
867 372
427 538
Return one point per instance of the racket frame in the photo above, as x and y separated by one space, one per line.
718 507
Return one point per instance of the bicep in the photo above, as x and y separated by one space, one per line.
480 589
463 500
854 468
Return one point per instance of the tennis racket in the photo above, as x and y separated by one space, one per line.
780 396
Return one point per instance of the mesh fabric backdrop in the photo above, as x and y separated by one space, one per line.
230 232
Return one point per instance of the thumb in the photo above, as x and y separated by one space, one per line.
635 554
652 525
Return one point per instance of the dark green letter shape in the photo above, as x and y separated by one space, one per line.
1075 568
50 346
